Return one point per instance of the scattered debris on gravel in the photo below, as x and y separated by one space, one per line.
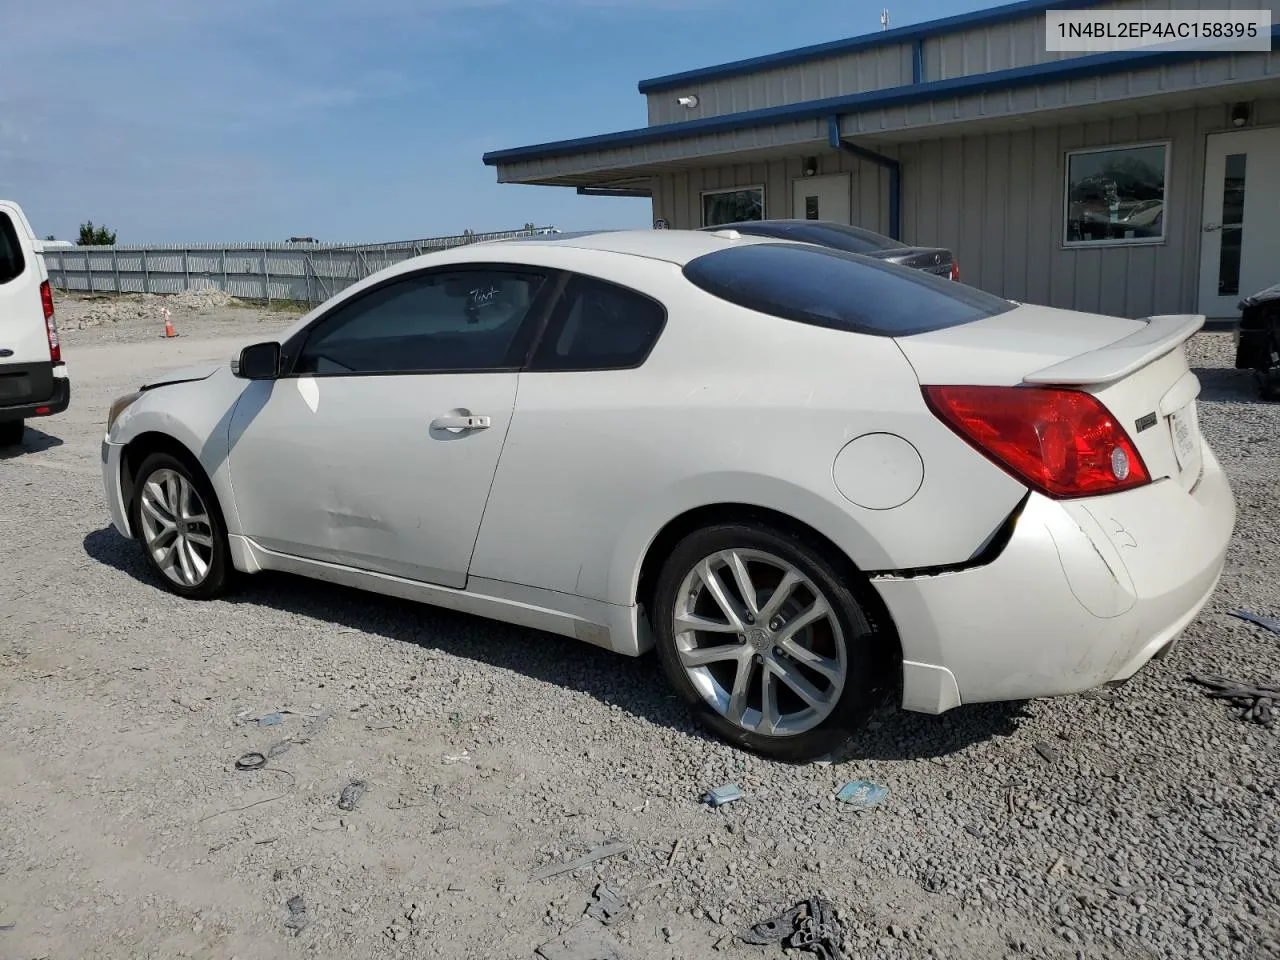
811 926
493 753
1253 703
1269 623
351 794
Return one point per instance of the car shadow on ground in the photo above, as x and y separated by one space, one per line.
634 685
33 441
1228 384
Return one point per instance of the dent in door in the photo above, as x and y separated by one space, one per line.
254 456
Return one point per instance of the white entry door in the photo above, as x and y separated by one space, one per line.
822 198
1240 239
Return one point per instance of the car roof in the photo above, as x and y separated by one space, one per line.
673 246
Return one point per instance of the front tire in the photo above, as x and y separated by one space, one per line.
175 516
11 432
773 643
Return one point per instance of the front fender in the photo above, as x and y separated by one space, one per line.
197 414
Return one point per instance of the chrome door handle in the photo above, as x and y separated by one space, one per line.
460 423
1210 227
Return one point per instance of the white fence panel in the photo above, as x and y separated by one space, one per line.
305 272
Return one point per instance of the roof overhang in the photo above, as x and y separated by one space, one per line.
627 159
919 31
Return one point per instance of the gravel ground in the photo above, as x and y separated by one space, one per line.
1144 827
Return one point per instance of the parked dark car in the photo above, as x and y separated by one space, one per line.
841 236
1258 340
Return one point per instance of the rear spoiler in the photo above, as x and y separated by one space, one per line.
1161 335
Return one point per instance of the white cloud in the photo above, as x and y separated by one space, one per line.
144 113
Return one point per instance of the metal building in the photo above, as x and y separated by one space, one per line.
1129 183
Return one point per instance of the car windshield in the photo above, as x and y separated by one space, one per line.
841 236
840 290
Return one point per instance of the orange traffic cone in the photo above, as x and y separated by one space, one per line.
168 326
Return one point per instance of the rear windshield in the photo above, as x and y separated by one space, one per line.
840 290
11 260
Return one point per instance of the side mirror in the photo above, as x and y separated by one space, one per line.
259 361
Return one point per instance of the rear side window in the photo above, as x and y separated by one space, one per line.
12 262
843 291
599 326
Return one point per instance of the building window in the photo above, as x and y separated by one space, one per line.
732 206
1116 195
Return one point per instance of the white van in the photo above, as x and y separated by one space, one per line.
33 378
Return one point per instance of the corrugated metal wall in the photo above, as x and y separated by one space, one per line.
677 198
850 73
1021 43
997 200
1018 43
307 273
1122 91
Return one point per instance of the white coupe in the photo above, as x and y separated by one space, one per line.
810 479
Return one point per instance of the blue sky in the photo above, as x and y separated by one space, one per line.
171 120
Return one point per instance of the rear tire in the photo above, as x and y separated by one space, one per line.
817 660
12 432
1269 384
177 522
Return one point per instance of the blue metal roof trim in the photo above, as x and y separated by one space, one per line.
868 41
1098 64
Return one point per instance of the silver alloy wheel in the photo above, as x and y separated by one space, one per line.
760 642
176 528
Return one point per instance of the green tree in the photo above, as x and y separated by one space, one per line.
91 236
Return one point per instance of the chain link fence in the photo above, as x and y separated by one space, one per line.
304 272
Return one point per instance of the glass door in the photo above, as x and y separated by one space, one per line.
1240 230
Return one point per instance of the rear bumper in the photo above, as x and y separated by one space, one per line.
1084 594
56 399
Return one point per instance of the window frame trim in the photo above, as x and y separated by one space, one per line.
291 349
23 261
550 325
703 194
1163 239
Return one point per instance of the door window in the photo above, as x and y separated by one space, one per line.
599 326
12 263
1232 225
446 320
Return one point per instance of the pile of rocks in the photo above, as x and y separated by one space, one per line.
80 314
206 299
93 313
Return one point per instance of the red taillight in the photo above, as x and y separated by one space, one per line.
50 328
1064 443
955 270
